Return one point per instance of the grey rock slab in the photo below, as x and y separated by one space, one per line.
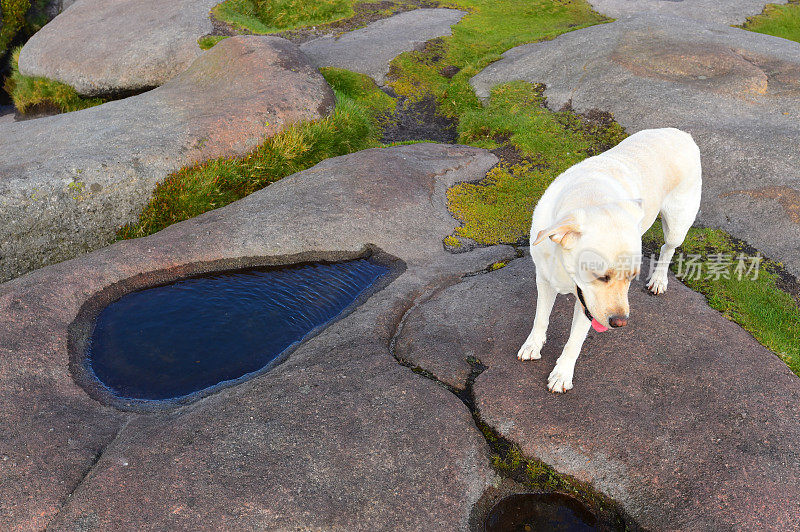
338 437
369 50
68 182
111 46
736 92
727 12
682 417
308 447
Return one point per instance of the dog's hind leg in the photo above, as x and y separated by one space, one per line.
677 216
545 297
560 379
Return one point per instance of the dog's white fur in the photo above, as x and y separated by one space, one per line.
601 207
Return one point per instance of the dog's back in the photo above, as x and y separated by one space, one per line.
650 165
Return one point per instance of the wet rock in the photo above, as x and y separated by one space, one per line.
68 182
369 50
682 416
728 13
339 436
105 47
737 93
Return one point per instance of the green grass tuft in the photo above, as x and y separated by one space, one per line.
13 12
271 16
353 126
31 94
778 20
759 305
360 88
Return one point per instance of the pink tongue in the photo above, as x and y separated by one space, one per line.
597 326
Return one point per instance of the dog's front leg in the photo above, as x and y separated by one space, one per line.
545 297
560 379
658 277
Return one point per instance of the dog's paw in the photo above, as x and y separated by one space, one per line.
658 283
530 351
560 379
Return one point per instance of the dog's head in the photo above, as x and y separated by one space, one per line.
600 247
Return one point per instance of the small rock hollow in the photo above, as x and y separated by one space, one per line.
539 512
174 340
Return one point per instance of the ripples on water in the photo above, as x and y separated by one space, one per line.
173 340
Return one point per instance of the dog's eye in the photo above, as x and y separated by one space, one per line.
604 279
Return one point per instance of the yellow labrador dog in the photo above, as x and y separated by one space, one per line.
587 228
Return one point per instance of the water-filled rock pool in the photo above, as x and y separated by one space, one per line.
175 340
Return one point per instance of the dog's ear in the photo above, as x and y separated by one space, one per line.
566 231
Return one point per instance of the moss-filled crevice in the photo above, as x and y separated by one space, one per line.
417 121
506 456
510 462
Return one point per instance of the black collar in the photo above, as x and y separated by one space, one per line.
583 302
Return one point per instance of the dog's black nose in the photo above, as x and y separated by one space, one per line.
618 321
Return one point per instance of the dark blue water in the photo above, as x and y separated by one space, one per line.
540 512
174 340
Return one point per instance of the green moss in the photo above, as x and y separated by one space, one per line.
192 191
209 41
360 88
31 94
489 29
271 16
13 12
451 241
759 305
778 20
498 209
509 460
